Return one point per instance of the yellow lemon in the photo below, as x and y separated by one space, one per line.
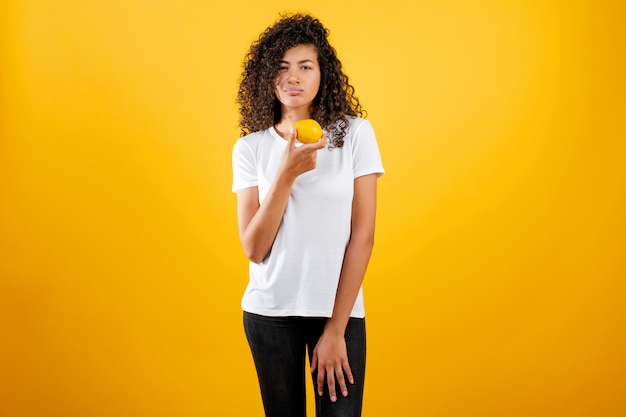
309 130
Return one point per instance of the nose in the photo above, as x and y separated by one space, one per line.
292 76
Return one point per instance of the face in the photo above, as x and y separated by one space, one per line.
298 78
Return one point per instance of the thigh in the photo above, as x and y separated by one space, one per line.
351 405
278 348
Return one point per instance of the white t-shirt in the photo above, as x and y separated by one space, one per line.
299 276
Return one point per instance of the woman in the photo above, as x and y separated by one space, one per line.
306 215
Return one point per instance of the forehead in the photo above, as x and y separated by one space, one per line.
300 53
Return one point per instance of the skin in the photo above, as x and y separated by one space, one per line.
297 84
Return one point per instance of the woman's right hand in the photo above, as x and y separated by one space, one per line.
297 160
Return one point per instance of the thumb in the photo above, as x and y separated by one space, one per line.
291 138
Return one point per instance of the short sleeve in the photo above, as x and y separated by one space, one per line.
365 153
244 166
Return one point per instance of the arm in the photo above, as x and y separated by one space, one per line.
258 223
329 356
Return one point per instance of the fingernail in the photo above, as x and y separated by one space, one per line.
344 393
333 398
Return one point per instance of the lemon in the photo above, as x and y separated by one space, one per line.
309 130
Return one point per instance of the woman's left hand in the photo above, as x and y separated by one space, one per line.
330 358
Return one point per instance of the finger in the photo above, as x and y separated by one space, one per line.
330 379
320 381
320 143
317 145
314 361
348 371
341 381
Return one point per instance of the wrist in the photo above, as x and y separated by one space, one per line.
334 328
285 179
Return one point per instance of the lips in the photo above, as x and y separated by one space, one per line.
293 91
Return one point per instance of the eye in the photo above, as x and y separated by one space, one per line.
306 67
283 68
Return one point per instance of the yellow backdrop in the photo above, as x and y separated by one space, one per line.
497 285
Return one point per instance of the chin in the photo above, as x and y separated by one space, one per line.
296 103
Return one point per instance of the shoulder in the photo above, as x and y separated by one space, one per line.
357 129
254 137
352 129
355 123
251 142
357 126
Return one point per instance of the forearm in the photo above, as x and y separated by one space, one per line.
257 237
357 254
353 271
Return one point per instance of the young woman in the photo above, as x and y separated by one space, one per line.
306 215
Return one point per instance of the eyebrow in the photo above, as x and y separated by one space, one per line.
299 62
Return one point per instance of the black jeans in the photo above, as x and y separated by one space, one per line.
279 346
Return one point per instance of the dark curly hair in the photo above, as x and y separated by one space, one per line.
259 109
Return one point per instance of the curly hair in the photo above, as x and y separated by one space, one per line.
259 108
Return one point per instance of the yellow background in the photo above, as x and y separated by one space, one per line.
497 285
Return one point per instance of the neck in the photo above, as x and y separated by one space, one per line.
289 116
